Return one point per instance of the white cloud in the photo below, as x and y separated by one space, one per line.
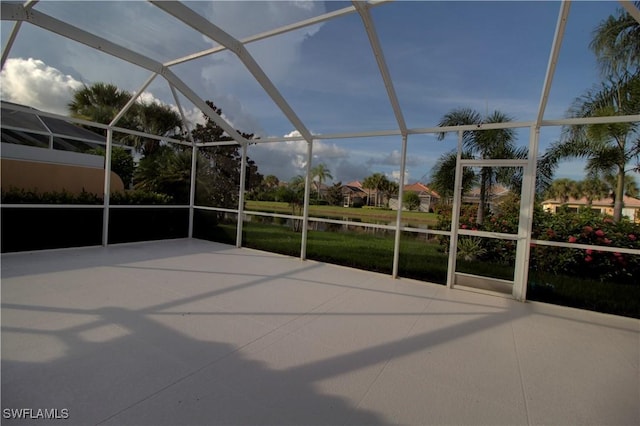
288 159
395 176
394 158
32 82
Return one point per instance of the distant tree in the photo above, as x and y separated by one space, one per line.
320 174
377 182
391 189
411 200
293 194
271 181
564 188
594 189
334 194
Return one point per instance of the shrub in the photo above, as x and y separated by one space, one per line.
411 200
587 227
137 197
22 196
357 203
470 248
583 227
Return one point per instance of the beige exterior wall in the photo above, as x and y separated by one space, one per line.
46 177
632 212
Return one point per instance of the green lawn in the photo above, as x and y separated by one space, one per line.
365 214
424 260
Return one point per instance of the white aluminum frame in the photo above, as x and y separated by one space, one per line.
19 13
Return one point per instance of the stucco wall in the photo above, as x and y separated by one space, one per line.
46 177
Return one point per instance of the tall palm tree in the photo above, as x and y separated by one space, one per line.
100 103
616 43
486 144
377 182
630 184
320 173
443 175
608 148
156 119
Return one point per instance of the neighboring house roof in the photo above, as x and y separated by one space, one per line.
354 184
353 189
421 190
602 202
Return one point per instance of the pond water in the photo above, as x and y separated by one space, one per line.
315 225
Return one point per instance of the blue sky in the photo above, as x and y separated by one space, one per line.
441 55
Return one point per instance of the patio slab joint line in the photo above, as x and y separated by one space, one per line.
524 392
375 379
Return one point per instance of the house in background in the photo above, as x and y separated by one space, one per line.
631 206
45 154
497 195
354 191
428 197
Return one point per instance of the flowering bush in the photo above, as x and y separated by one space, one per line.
587 227
583 227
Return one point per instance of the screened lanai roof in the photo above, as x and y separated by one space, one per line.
315 70
19 119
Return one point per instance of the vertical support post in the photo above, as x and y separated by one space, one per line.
396 244
525 222
305 211
107 187
194 157
9 44
192 185
455 215
243 175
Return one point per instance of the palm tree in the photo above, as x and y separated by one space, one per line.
630 185
377 182
616 43
486 144
608 148
564 188
443 175
156 119
101 102
321 173
168 171
594 189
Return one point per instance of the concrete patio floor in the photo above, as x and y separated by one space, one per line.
192 332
